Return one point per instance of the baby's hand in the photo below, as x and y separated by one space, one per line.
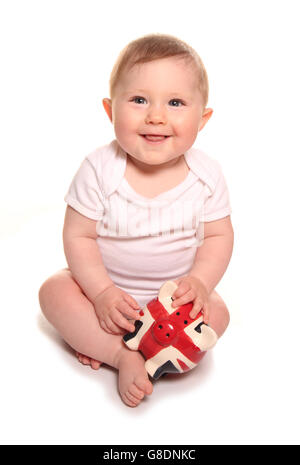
191 289
110 306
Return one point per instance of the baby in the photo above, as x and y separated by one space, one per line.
142 210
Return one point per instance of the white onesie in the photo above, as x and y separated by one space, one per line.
144 242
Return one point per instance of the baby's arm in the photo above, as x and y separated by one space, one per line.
85 262
213 256
83 254
211 261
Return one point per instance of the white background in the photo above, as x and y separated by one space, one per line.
56 57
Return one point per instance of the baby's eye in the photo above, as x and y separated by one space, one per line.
176 102
138 100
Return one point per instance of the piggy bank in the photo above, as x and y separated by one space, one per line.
170 341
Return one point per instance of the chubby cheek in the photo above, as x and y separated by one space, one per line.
185 124
186 134
125 125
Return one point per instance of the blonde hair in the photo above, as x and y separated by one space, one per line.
154 47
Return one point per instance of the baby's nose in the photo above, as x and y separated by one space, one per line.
156 115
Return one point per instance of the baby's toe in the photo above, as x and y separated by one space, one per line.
133 398
130 399
136 392
144 385
95 364
79 356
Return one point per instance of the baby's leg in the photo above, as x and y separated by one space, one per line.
72 314
218 313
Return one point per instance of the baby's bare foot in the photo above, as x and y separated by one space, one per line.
85 360
133 378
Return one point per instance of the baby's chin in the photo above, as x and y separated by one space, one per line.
154 159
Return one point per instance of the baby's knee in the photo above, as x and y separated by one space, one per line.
46 292
52 290
226 315
219 314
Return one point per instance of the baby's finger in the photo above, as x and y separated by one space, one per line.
182 289
206 313
103 326
111 325
123 323
184 299
131 301
198 305
125 308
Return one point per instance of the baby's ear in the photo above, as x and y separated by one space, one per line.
206 115
107 107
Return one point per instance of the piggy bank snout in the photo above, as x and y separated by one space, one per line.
164 332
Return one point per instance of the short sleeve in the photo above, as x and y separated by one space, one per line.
217 204
84 194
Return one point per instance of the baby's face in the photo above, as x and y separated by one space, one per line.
157 110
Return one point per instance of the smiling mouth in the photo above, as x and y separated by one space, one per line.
154 137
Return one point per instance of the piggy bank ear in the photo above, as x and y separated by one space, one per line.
207 337
165 294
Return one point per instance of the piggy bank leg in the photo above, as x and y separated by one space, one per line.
156 372
168 360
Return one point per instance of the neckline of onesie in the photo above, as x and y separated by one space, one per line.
170 194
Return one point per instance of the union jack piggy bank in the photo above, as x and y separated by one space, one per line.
170 341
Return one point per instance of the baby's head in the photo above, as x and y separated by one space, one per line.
158 98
